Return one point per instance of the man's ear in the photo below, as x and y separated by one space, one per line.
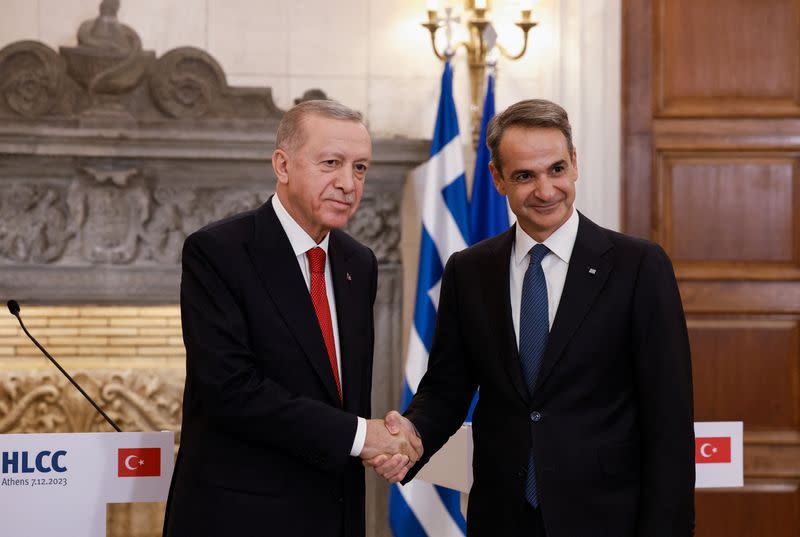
280 164
574 157
497 178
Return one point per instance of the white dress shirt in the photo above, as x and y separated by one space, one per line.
554 265
301 243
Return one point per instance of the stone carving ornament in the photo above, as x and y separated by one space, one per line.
109 74
45 402
114 214
32 78
35 222
186 82
108 60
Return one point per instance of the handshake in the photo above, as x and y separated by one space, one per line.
392 446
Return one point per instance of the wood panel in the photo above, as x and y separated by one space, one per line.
711 145
746 369
760 509
771 457
739 297
734 58
702 200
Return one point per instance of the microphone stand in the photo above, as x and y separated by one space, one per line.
13 307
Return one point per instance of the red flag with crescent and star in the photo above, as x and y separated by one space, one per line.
711 450
139 462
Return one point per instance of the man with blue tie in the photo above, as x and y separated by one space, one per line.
576 337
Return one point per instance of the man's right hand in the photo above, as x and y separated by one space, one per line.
392 457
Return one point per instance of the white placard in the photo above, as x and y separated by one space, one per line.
719 455
59 484
451 466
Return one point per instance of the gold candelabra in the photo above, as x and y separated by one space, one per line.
480 45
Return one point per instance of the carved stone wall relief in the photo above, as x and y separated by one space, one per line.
122 216
138 400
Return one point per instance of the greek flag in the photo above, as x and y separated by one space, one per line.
420 509
488 210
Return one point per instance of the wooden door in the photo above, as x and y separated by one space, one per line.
711 156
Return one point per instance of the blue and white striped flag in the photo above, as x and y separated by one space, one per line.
488 209
420 509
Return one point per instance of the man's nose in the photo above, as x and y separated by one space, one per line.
346 180
544 189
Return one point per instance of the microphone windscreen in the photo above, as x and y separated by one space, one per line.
13 307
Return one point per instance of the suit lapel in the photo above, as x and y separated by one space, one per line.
276 265
588 270
498 303
347 316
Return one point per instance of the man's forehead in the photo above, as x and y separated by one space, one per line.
530 141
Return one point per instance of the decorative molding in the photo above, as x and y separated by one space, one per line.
45 402
32 78
109 77
122 216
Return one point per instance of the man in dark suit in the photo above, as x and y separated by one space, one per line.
276 306
576 337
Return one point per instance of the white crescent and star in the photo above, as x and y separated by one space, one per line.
128 462
704 450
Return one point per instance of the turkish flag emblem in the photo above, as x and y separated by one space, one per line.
710 450
139 462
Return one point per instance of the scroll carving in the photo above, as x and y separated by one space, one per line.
45 402
31 78
186 82
110 75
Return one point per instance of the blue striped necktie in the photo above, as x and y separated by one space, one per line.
534 326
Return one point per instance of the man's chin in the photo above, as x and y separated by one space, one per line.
337 221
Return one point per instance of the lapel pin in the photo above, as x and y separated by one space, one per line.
592 271
349 278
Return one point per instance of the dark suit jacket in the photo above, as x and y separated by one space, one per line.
614 440
265 442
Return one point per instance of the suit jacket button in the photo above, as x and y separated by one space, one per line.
536 416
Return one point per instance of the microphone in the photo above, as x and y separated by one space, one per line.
13 308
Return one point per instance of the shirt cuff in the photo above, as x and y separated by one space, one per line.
361 436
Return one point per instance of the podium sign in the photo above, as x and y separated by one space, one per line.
59 484
719 455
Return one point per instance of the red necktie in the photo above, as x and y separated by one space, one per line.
319 297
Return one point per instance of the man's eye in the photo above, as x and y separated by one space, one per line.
361 168
558 169
522 177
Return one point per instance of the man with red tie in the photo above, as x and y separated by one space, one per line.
276 306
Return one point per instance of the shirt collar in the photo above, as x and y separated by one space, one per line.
560 242
300 240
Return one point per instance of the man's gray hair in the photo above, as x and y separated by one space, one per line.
530 114
290 129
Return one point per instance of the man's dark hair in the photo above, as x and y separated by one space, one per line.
532 113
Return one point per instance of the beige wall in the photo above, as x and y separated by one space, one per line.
92 337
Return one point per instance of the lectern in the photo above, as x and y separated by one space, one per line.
59 484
